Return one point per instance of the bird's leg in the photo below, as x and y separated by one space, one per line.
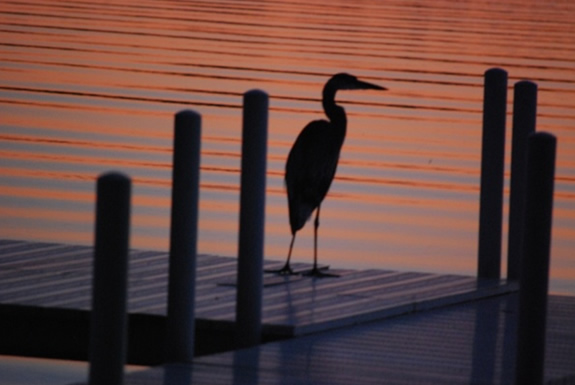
315 271
315 227
286 270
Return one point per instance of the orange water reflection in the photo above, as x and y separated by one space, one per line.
88 88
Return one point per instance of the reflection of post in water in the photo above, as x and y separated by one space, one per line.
181 374
509 310
485 341
494 340
246 366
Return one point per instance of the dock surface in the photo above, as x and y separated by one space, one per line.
47 275
472 343
363 327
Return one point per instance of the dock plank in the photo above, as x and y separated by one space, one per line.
44 286
49 275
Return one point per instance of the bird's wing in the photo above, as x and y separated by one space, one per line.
310 169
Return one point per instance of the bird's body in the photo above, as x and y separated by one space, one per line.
308 176
313 159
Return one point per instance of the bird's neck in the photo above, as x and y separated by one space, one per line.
335 113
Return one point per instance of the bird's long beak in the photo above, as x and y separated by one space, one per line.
369 86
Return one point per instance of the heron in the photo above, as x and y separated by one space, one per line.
312 162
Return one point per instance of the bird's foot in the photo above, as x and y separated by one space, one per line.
286 270
319 273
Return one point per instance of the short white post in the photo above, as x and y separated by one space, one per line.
109 289
524 116
252 218
180 324
534 277
492 167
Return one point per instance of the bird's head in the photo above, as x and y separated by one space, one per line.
344 81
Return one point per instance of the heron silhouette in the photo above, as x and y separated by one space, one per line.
312 162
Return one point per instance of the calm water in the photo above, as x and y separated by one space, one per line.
87 87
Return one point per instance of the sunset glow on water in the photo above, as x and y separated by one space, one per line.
89 87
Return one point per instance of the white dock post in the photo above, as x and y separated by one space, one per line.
534 276
180 324
252 218
109 290
492 168
524 116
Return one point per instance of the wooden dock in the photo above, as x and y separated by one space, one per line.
472 343
45 295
